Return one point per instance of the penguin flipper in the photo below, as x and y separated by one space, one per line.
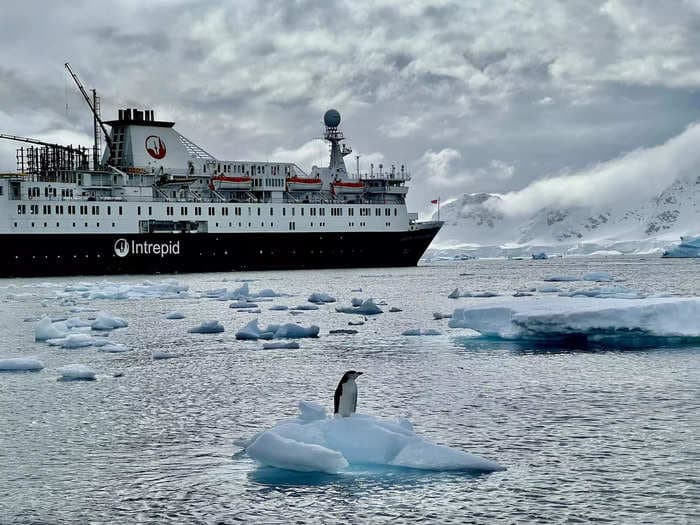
336 398
354 401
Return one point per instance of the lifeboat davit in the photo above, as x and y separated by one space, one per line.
302 184
347 187
222 182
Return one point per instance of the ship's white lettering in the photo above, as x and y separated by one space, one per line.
122 248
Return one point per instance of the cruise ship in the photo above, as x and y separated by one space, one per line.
155 202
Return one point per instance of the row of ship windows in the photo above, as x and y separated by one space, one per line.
245 169
60 209
292 225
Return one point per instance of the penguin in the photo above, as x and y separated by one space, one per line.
345 398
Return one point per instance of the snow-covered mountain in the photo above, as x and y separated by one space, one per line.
480 224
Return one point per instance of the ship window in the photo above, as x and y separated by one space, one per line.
272 211
258 210
34 209
302 212
86 224
322 212
95 210
2 188
395 212
204 168
56 225
293 210
138 210
21 209
249 212
32 225
387 212
377 212
120 210
45 225
109 210
284 211
351 212
150 210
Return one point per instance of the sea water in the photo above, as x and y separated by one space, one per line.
589 433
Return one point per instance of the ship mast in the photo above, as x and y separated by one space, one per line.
94 108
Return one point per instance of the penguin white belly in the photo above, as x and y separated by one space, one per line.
348 399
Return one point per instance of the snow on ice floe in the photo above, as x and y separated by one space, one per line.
605 292
549 289
629 321
253 332
207 327
421 331
305 307
46 329
72 341
106 321
366 307
165 289
598 277
241 293
242 304
320 298
291 345
113 348
20 364
175 315
560 278
76 373
278 307
315 443
157 355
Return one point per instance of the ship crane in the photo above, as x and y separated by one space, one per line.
40 143
92 104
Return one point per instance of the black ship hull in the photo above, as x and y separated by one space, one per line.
103 254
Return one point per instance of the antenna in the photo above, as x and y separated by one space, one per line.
357 159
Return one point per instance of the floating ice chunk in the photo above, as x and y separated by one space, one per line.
175 315
252 331
113 348
541 256
276 451
309 411
560 278
454 294
267 292
125 290
582 319
20 364
483 294
159 354
295 331
394 309
75 322
356 301
313 442
549 289
605 292
342 331
367 307
46 329
419 331
522 294
598 277
106 321
242 304
439 315
207 327
320 298
278 307
292 345
356 323
689 247
76 373
72 341
305 307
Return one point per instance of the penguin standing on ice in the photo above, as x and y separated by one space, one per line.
345 398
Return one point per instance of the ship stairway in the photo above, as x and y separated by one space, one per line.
160 193
217 195
195 196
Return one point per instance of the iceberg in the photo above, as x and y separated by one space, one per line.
175 315
689 247
76 373
366 307
113 348
207 327
20 364
315 443
584 319
106 321
72 341
295 331
320 298
46 329
252 331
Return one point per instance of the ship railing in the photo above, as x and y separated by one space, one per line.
160 193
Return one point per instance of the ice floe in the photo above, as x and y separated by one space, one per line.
689 247
295 331
292 345
113 348
278 307
157 355
320 298
72 341
253 332
582 319
342 331
305 307
106 321
421 331
315 443
366 307
242 304
598 277
76 373
560 278
175 315
207 327
549 289
241 293
605 292
439 315
47 329
394 309
125 290
20 364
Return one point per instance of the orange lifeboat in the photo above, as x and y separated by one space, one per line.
339 187
302 184
223 182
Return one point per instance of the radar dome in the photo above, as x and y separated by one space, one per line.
331 118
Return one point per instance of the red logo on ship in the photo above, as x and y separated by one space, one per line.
155 147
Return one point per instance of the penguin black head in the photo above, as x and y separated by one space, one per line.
350 374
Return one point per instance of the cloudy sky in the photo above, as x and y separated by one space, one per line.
539 100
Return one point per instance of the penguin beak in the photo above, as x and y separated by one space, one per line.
359 373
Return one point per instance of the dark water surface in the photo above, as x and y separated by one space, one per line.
587 434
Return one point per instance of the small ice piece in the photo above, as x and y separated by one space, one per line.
278 307
20 364
439 315
419 331
75 322
159 354
320 298
344 331
117 373
254 311
484 294
455 294
292 345
76 373
309 411
356 323
295 331
522 294
305 307
106 321
367 307
113 348
252 331
242 304
393 309
540 256
560 278
356 290
72 341
276 451
207 327
267 292
356 301
46 329
175 315
549 289
598 277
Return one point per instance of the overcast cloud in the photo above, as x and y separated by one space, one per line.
472 95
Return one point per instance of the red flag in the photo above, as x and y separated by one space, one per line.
435 201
